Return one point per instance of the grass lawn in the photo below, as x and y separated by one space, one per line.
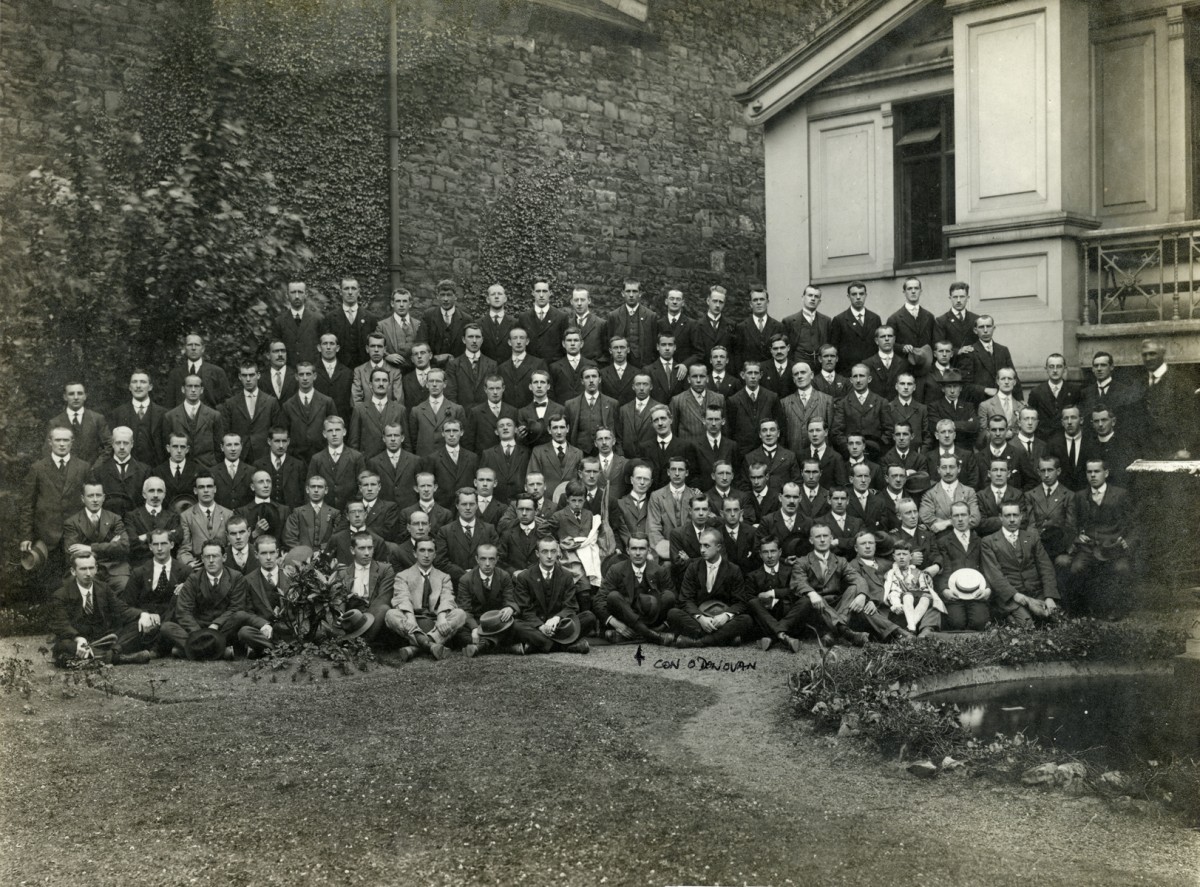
505 770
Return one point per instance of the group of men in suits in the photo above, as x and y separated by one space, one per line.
750 477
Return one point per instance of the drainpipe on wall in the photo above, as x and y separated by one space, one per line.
393 155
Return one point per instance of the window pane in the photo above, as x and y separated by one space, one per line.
923 199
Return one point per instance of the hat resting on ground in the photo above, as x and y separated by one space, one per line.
207 643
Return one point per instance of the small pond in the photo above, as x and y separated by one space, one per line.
1110 721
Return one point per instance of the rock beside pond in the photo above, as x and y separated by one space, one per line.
923 769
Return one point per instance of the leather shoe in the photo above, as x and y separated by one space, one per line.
438 651
687 643
407 653
857 638
827 640
228 654
793 643
516 649
578 647
471 649
611 636
141 657
764 644
665 638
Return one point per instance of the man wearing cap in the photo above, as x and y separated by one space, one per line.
954 407
543 599
206 602
426 592
84 610
960 548
482 592
635 597
712 602
1018 571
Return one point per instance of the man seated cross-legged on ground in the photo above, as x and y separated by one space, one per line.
424 612
85 611
546 607
823 580
712 605
483 592
635 597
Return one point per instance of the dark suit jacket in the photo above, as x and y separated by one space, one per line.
702 458
396 482
1015 459
50 497
216 385
414 391
1025 569
544 459
743 552
516 379
855 341
1124 400
878 514
518 549
367 426
181 486
280 392
476 598
545 337
288 483
495 335
1055 510
149 432
793 542
341 544
620 580
249 564
807 338
956 332
200 603
465 387
659 459
109 612
635 432
233 492
1112 519
425 426
204 433
1074 475
108 539
450 475
662 389
121 494
843 535
782 466
868 418
962 413
830 581
140 593
352 339
595 342
776 380
751 344
480 433
139 523
306 424
300 337
728 587
273 513
336 387
838 388
565 382
642 346
510 470
253 595
585 421
92 438
341 478
438 516
444 339
910 331
633 520
534 600
980 368
915 413
305 527
1050 408
680 329
1167 419
952 556
619 388
742 416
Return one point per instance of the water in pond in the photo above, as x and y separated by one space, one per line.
1110 721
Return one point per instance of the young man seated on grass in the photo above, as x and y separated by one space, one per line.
85 610
544 601
424 613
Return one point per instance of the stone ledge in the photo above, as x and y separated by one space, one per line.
1007 674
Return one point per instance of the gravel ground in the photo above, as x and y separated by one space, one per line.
548 770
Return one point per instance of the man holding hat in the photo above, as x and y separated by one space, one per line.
423 611
206 617
960 551
369 583
712 606
483 592
52 490
547 612
85 611
636 596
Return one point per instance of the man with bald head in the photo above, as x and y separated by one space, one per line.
153 515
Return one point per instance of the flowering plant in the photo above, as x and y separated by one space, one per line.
315 596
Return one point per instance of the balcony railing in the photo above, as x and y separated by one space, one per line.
1133 275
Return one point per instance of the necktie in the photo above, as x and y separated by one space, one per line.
87 602
178 471
507 450
468 530
426 592
61 463
487 582
121 470
192 370
562 454
141 411
1071 451
298 317
662 445
75 423
153 512
163 578
209 515
279 380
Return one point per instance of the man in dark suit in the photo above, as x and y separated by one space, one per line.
232 474
313 523
1049 398
396 467
287 472
304 414
178 472
828 380
250 413
667 375
443 325
518 543
340 465
868 610
822 580
279 381
710 448
984 358
239 555
781 463
533 419
297 325
1111 444
341 543
84 609
1072 448
373 415
415 382
200 424
257 594
544 325
566 375
452 465
557 460
807 329
333 378
96 529
542 597
635 323
956 326
1168 408
853 331
713 582
120 474
746 409
845 529
214 383
1019 572
483 417
517 371
1101 566
870 507
665 446
53 486
496 323
776 373
144 417
263 516
351 323
913 324
752 337
92 435
483 588
634 427
508 459
206 601
153 585
673 318
589 412
616 379
590 326
721 380
739 537
1123 399
953 406
959 547
150 517
635 597
465 374
863 412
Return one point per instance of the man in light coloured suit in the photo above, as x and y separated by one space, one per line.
426 592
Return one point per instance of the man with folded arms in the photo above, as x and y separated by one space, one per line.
542 598
85 610
711 583
101 532
425 591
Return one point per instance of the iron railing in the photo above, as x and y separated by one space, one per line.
1133 275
